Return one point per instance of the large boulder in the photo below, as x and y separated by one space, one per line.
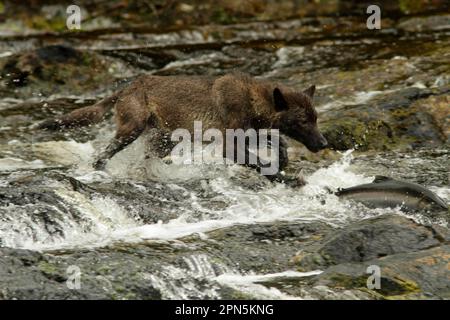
370 239
415 275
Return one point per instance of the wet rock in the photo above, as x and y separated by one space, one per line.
392 107
35 207
370 239
22 279
349 133
31 275
431 170
45 15
18 119
389 121
420 24
437 108
45 206
306 288
414 275
54 68
149 202
265 247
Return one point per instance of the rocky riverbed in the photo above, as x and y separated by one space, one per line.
148 229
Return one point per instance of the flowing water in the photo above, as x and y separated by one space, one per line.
137 200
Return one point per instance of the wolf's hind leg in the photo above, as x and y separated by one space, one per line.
131 118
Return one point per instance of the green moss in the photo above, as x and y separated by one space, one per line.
349 133
51 271
349 282
119 289
221 16
317 259
233 294
104 270
390 288
411 6
398 288
47 268
403 113
41 23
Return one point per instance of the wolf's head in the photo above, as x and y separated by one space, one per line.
296 117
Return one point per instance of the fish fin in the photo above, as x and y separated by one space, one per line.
380 179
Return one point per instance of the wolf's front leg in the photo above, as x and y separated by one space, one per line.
158 143
271 170
282 162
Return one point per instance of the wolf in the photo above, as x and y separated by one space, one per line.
230 101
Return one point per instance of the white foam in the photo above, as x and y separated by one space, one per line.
13 164
287 55
249 283
359 98
253 278
203 59
180 283
64 152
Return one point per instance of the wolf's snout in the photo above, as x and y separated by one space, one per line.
323 143
315 145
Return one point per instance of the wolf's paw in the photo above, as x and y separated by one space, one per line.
294 182
291 181
49 124
99 164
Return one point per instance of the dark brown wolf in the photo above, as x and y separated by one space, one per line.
232 101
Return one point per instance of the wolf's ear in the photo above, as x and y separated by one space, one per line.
310 91
279 101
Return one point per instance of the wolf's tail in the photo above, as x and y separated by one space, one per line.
81 117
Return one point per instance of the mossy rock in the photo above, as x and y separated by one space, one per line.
350 133
390 287
412 6
51 271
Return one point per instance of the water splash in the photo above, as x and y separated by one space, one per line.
102 220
